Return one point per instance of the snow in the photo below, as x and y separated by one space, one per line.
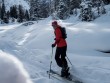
12 70
31 44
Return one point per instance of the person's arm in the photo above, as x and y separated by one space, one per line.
58 36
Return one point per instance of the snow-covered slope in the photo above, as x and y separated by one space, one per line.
9 3
32 45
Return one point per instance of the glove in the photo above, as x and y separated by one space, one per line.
53 45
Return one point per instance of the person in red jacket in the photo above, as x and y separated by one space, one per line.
60 50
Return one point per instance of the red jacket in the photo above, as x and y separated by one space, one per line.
59 41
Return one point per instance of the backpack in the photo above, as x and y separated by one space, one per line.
63 31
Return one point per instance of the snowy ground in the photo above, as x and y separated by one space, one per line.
31 44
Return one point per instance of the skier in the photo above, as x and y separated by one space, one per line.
60 50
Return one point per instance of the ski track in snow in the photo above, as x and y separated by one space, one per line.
32 45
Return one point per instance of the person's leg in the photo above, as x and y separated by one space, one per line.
65 68
57 57
63 56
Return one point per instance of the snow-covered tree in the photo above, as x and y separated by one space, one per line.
3 11
27 16
86 13
75 3
62 10
99 4
8 14
21 14
14 12
39 9
103 10
34 10
53 8
5 19
0 11
106 1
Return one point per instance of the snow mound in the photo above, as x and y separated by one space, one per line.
12 70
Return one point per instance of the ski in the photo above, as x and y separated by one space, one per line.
55 76
58 76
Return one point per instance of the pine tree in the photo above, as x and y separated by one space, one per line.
56 2
21 14
103 11
0 11
14 12
34 10
86 13
8 14
44 10
27 17
31 9
98 4
11 11
106 1
62 10
3 12
5 19
74 4
53 8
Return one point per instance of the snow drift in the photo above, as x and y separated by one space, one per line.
12 70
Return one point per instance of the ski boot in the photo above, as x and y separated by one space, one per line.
65 72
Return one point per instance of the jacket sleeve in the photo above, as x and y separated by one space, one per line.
58 36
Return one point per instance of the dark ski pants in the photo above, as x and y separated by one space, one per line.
60 56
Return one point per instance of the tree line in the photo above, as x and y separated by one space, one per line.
58 9
63 9
15 14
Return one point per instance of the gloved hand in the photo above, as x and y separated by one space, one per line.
53 45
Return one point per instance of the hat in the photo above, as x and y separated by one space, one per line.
54 23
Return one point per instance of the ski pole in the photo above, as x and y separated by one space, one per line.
69 61
51 63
